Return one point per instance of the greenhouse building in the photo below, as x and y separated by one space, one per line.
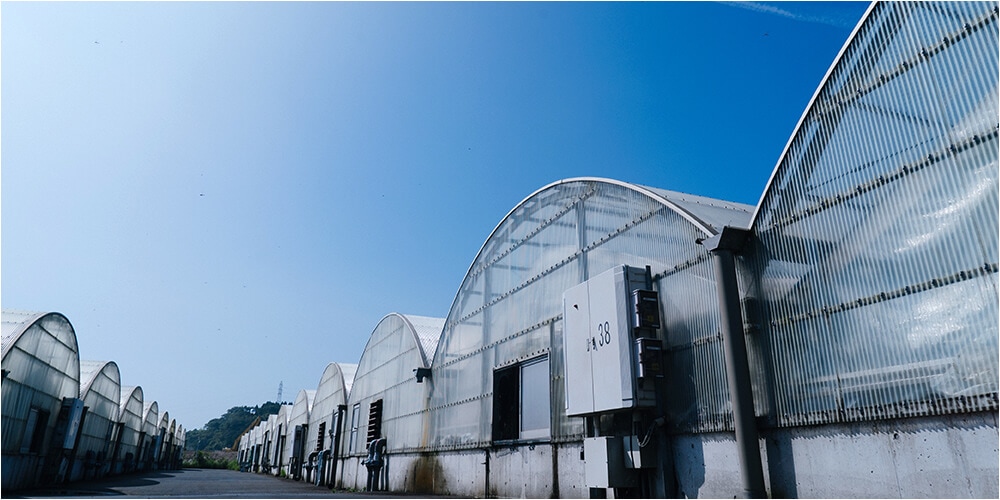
151 430
838 339
65 420
323 440
298 425
41 376
128 430
100 391
388 404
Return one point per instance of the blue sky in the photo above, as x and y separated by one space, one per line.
224 196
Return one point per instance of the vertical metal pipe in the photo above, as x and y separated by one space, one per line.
737 365
335 456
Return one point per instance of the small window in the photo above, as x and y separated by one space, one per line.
355 414
34 431
535 414
521 407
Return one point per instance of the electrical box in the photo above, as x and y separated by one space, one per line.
604 464
606 370
70 417
646 304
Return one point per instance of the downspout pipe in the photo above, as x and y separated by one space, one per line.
335 445
723 247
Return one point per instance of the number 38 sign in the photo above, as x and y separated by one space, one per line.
603 337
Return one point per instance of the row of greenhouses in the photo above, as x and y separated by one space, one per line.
838 339
67 420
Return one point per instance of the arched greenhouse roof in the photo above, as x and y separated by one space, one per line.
90 371
709 215
150 417
16 323
706 216
301 409
875 119
336 378
129 392
130 406
420 333
309 395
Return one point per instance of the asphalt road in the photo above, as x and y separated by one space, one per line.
194 483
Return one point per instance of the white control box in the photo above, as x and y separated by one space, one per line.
604 465
598 342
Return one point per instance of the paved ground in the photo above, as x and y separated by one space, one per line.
194 483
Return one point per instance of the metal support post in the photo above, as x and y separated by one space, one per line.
723 246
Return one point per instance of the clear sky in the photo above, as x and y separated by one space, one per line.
225 196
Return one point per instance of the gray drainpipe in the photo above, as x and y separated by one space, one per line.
723 246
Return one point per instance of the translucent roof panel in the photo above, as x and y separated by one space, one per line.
14 324
875 244
130 395
54 325
713 213
509 306
428 332
299 416
151 418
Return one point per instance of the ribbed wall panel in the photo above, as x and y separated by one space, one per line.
872 271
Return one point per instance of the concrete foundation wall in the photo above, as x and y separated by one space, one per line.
935 457
524 471
953 456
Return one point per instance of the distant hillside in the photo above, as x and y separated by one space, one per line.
219 433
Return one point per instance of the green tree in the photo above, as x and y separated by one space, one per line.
219 433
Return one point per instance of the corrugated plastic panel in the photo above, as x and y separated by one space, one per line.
14 323
875 246
428 330
715 213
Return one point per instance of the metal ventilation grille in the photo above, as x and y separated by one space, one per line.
875 246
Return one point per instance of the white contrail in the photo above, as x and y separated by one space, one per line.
771 9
